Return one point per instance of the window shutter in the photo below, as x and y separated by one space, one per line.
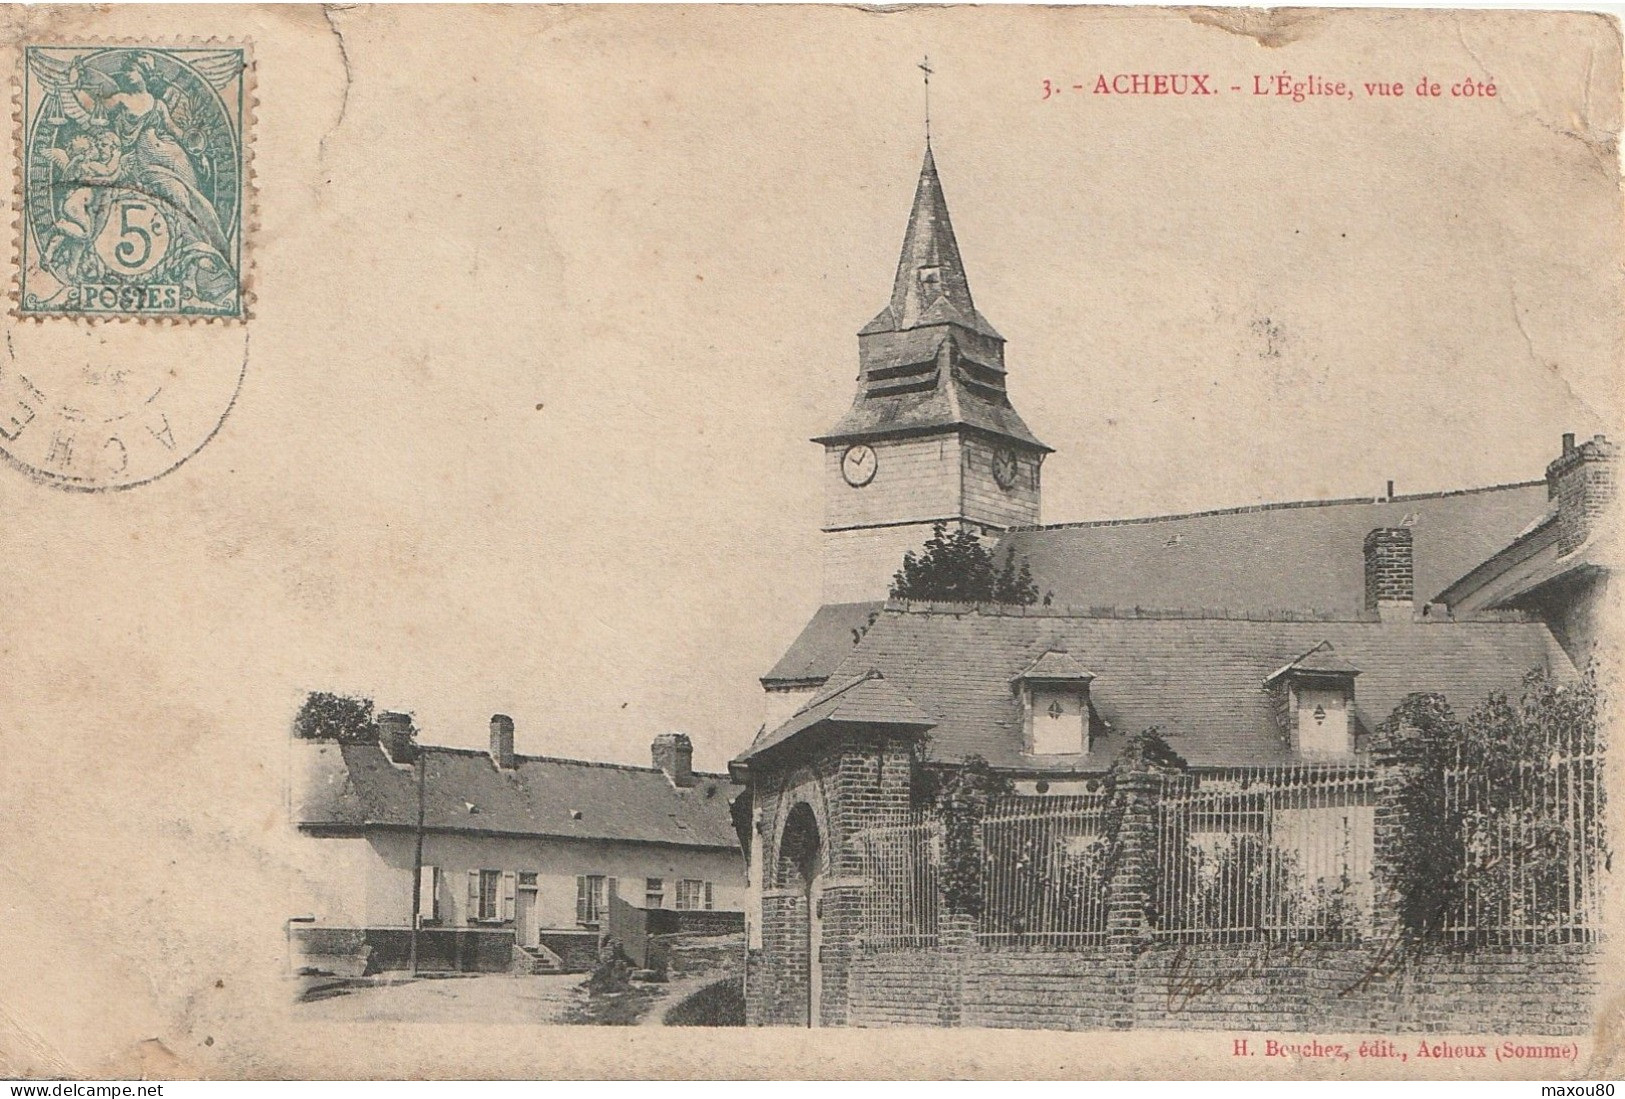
610 890
581 900
507 894
473 897
428 876
708 896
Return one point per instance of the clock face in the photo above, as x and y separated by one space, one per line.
858 465
1005 468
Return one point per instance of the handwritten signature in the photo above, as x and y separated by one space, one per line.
1189 979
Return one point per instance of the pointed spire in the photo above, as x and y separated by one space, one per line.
930 286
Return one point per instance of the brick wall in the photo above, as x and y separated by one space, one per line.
851 783
1388 567
1584 482
1390 982
1289 987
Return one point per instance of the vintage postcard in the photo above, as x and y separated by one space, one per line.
923 542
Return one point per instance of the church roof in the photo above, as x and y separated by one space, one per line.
862 699
940 396
1198 679
822 644
1322 660
1056 665
930 360
930 286
1297 557
355 786
1302 557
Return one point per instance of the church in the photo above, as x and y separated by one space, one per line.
1264 636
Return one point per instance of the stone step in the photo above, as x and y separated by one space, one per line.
536 960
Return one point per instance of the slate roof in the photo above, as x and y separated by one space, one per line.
1299 556
931 361
1057 666
1517 576
356 786
929 245
862 699
1505 574
1320 660
947 402
1199 679
822 644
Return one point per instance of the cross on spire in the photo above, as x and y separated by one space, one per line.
925 67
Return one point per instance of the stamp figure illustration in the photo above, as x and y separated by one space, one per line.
132 182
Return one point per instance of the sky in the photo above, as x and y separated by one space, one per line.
546 322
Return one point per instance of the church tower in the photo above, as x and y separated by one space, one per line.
931 436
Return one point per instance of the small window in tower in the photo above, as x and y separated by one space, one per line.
1055 710
931 279
1320 715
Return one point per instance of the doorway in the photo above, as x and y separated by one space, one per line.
801 866
525 927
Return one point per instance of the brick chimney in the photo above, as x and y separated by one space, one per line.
396 735
1390 587
674 754
502 741
1582 480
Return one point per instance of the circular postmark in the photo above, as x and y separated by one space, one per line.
94 410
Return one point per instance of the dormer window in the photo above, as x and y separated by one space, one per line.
1054 694
1314 703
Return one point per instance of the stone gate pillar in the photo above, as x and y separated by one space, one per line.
1128 929
1397 755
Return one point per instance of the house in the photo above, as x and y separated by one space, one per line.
1270 636
518 852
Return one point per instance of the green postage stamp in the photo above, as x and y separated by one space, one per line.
133 181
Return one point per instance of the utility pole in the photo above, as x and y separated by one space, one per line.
417 864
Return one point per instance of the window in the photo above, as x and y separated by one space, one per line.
490 893
1054 692
693 895
654 893
1060 723
592 899
1323 722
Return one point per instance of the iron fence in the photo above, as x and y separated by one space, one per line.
1527 816
1243 853
1045 872
1246 852
901 899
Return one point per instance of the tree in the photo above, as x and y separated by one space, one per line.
958 568
327 716
1502 811
960 794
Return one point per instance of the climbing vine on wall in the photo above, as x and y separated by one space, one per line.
959 793
1500 815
